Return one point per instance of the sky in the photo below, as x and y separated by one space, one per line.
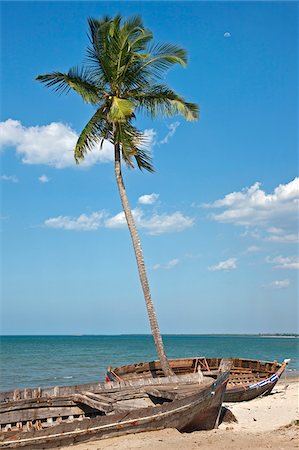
218 218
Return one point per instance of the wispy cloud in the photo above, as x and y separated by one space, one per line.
43 179
252 249
148 199
84 222
169 265
11 178
279 284
153 225
228 264
150 138
279 235
284 262
252 207
172 129
251 233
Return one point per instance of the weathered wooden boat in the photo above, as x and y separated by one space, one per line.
248 378
51 417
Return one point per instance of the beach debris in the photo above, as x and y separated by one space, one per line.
227 416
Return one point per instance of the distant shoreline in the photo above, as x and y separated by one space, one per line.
279 337
274 335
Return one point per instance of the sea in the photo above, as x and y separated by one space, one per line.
33 361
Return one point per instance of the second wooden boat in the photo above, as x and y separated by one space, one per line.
48 418
248 378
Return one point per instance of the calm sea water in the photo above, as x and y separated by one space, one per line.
31 361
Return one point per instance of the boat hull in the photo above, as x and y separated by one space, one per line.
198 410
248 379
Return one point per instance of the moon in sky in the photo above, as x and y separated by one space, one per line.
227 34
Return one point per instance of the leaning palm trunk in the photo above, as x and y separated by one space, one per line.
141 267
122 75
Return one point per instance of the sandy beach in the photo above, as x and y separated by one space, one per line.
263 423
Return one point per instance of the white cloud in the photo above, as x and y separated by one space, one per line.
166 223
54 144
150 138
279 235
228 264
275 230
82 223
252 249
170 265
148 199
279 284
284 262
43 179
11 178
119 220
172 129
154 225
285 239
254 234
253 207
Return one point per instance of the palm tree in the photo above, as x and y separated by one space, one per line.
121 76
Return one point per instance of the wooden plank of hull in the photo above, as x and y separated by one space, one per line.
249 393
101 387
197 411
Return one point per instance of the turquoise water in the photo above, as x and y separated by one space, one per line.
31 361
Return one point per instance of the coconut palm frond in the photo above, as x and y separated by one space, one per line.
93 133
162 57
139 43
153 64
189 111
77 79
160 100
98 52
144 160
134 145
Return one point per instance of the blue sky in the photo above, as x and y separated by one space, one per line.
220 233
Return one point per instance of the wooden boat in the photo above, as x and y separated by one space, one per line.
48 418
248 378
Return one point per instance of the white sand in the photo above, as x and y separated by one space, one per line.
263 423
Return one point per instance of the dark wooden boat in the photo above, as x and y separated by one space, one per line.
48 418
248 378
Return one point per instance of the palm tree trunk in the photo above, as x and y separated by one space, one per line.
140 264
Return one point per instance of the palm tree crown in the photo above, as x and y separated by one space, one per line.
121 77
